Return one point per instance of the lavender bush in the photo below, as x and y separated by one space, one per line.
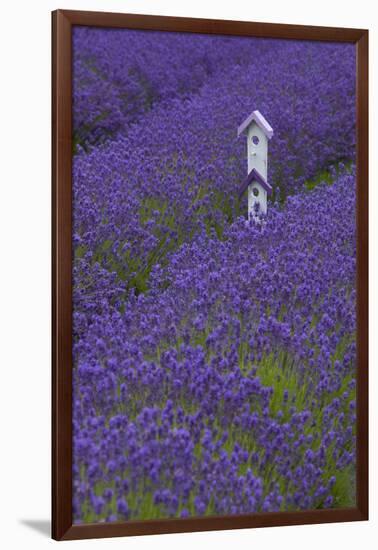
214 358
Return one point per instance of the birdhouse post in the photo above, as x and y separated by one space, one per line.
259 132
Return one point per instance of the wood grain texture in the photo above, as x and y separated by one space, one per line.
61 277
362 129
62 21
211 26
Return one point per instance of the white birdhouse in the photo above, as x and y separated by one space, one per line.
259 132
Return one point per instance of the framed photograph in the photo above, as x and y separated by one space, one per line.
210 280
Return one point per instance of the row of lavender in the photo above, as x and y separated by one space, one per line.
229 387
214 361
179 167
308 89
120 75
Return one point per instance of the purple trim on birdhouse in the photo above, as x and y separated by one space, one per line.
261 122
254 175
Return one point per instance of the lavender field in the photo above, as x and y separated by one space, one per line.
214 358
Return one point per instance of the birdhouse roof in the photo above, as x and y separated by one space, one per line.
254 175
261 122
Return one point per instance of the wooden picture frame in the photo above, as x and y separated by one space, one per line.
62 523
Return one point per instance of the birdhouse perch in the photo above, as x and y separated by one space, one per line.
259 132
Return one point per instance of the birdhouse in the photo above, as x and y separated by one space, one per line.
259 132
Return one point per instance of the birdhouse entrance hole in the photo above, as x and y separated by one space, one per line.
255 191
255 140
